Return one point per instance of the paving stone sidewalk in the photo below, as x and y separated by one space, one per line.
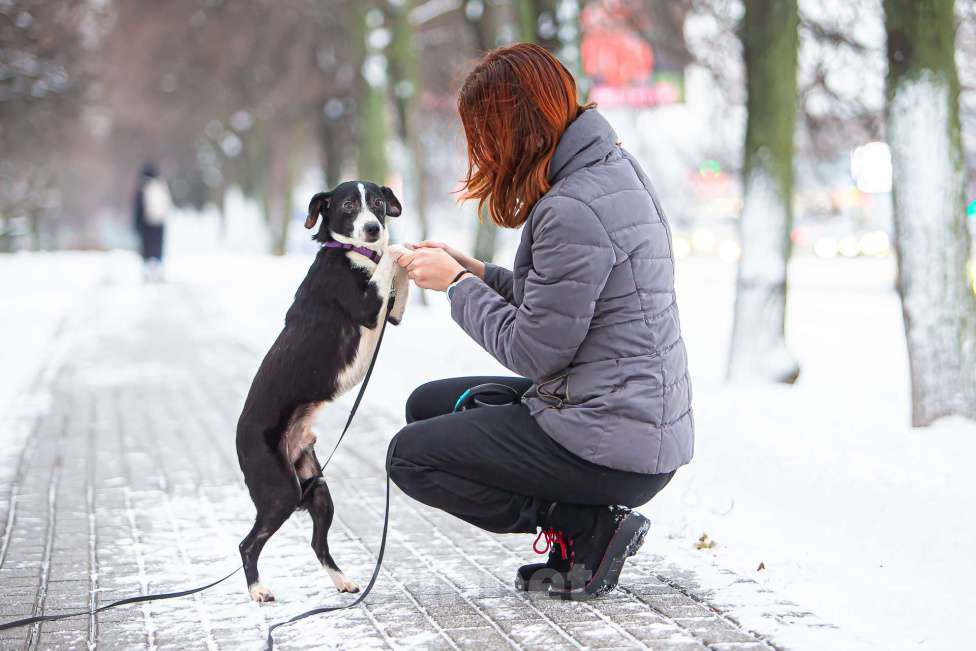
125 481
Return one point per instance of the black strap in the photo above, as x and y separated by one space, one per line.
121 602
458 276
184 593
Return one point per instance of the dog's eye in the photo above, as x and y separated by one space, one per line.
347 205
377 203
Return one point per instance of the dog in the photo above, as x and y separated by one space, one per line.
330 334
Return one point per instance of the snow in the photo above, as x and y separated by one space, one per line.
39 293
855 516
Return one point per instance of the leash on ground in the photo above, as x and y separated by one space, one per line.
27 621
121 602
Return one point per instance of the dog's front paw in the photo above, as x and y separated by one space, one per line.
396 250
259 593
401 291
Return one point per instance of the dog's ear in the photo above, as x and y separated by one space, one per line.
317 206
393 207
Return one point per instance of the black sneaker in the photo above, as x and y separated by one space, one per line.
537 576
603 538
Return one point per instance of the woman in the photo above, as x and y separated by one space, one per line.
587 319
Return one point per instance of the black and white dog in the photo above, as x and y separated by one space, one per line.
324 350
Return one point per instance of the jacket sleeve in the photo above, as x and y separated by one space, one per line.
499 279
571 260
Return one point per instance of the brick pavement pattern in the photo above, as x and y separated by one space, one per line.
126 482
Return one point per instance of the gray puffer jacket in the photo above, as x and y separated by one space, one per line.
589 312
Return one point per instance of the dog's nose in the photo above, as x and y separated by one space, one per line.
372 229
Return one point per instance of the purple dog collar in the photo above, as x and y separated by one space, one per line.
361 250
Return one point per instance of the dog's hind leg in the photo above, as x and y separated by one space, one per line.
279 496
265 526
318 500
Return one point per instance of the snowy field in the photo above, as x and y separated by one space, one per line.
852 514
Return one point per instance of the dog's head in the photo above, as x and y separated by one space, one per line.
354 213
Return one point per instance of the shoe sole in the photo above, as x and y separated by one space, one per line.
539 585
532 586
626 542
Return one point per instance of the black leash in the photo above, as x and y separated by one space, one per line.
185 593
115 604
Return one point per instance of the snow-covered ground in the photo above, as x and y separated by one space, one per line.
38 292
853 515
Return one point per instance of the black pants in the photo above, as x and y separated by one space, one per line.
494 466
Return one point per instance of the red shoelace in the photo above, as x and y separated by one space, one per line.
552 537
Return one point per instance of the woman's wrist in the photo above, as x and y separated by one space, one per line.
461 274
477 267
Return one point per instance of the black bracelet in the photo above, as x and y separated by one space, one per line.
458 276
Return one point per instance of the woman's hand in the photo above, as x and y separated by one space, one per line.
430 267
477 267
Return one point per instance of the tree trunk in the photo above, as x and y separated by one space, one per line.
928 194
281 244
404 63
219 197
34 225
330 142
407 85
279 197
555 25
6 237
538 23
485 238
485 31
481 18
769 42
255 162
372 165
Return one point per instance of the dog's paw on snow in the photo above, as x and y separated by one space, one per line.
348 586
342 583
259 593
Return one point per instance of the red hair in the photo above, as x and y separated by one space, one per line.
514 106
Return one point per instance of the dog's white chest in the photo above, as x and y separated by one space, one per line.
382 279
354 373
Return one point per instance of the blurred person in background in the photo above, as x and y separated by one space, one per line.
599 418
150 212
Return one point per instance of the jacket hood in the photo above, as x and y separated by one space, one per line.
586 141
